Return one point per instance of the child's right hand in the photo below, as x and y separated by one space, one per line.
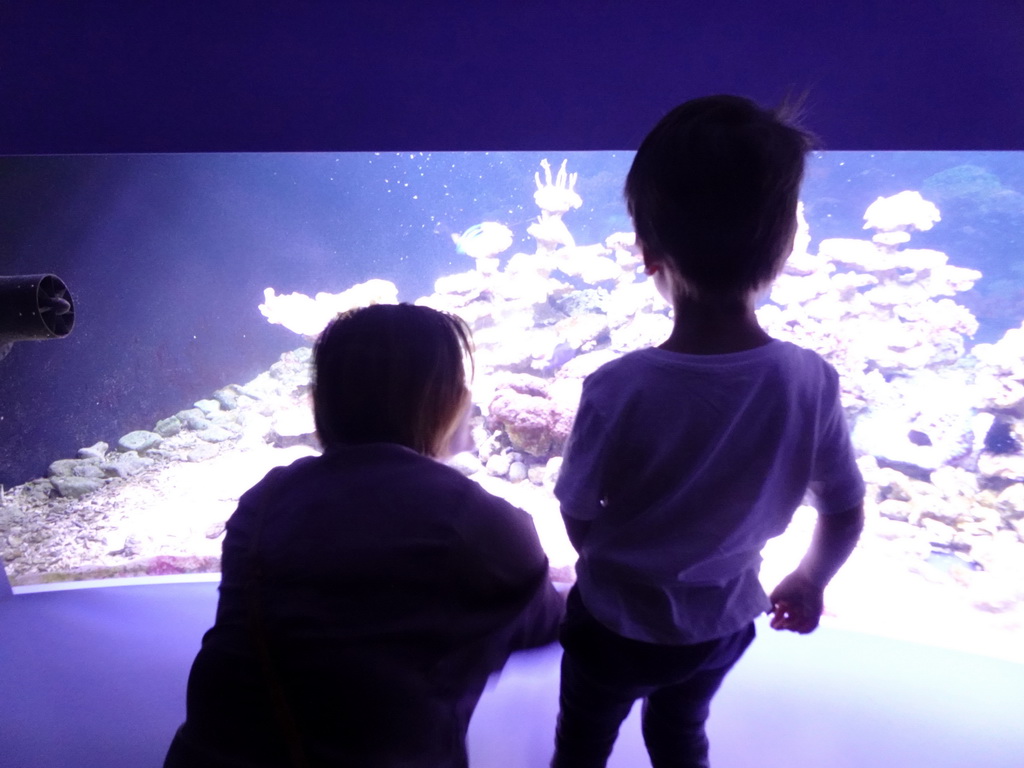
797 604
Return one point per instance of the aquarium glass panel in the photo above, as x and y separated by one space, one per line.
157 314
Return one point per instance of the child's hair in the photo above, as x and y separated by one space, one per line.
392 373
714 188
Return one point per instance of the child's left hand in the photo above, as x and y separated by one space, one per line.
797 604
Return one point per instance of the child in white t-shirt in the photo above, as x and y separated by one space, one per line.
686 458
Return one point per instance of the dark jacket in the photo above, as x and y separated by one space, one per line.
366 596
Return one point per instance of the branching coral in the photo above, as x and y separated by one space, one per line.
308 316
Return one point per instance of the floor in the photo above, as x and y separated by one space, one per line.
95 677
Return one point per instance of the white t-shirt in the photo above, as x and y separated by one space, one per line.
686 465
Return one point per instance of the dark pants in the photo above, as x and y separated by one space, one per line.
604 673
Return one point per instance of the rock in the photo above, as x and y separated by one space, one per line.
227 398
139 441
216 434
37 491
97 451
939 534
536 475
891 483
466 463
1004 466
517 472
193 418
523 384
895 509
583 301
126 465
293 367
551 469
292 422
1011 501
645 329
919 429
251 391
583 365
72 487
75 468
291 427
534 424
498 464
168 427
216 530
208 407
290 441
590 264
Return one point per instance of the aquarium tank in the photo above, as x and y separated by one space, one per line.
198 283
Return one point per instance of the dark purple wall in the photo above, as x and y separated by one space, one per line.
393 74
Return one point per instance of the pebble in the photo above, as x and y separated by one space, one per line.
227 398
466 463
517 472
168 427
193 418
75 468
97 451
498 464
208 407
1011 500
139 441
216 434
127 464
75 487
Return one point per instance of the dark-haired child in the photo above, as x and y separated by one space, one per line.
686 458
367 593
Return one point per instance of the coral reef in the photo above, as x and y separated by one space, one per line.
308 316
938 422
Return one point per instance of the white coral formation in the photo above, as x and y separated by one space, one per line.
868 307
556 196
900 212
886 316
999 378
308 316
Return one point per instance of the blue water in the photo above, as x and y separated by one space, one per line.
167 257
